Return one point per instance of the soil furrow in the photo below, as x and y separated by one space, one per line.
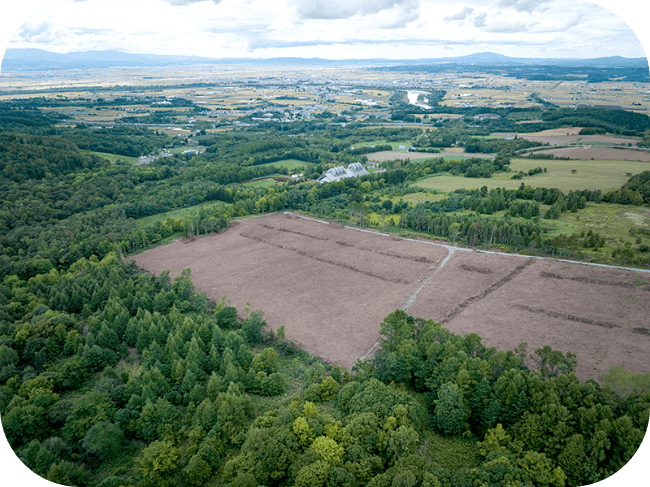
328 261
491 288
587 280
564 316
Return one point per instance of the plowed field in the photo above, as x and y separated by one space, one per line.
331 286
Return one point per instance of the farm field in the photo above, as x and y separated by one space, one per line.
265 183
546 136
180 213
588 153
113 157
597 174
402 154
290 164
605 175
331 286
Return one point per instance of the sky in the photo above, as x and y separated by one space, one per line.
341 29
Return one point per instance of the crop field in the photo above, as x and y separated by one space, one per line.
113 157
290 164
180 213
403 154
590 174
605 175
265 183
571 139
447 183
588 153
331 286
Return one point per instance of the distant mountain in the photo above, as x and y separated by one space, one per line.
37 59
491 58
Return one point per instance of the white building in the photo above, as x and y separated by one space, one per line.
337 173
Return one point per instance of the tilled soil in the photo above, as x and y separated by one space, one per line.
332 286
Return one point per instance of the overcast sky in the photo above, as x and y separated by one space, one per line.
330 28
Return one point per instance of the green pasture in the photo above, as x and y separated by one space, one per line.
394 145
415 198
592 175
262 183
113 158
609 220
290 164
446 183
179 213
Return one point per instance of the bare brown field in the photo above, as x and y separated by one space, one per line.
556 132
570 139
331 287
598 153
393 154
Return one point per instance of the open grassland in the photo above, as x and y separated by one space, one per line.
290 164
112 157
404 154
415 198
180 213
611 221
597 174
265 183
592 175
331 286
598 153
394 145
447 183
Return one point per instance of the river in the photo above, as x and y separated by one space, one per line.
413 98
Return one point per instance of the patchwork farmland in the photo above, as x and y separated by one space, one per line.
331 286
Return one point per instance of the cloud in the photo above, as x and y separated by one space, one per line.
511 28
479 19
181 3
524 5
462 15
344 9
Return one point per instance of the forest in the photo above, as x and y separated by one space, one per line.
112 377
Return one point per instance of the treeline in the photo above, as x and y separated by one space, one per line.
614 121
507 147
635 192
470 167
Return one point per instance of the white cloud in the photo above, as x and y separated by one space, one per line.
462 15
344 9
479 19
523 5
329 28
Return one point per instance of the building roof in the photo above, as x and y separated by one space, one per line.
340 172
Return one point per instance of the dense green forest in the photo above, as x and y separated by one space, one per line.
110 376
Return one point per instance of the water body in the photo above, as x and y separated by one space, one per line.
413 98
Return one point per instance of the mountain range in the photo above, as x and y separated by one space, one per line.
41 60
